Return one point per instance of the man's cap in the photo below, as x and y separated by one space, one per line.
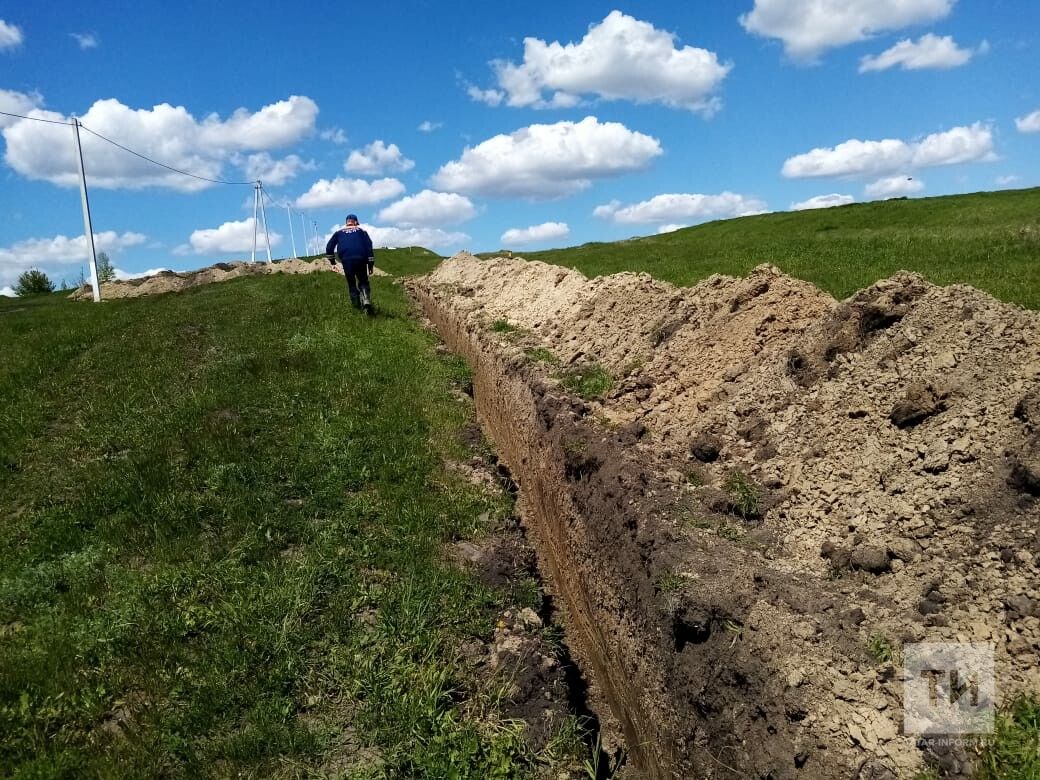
352 217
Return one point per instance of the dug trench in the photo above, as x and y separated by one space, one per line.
775 493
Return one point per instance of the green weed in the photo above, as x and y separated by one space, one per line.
589 381
744 493
880 648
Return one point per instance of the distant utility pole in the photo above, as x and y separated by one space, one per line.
303 233
88 228
256 206
263 211
292 234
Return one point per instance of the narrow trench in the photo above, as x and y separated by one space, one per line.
577 687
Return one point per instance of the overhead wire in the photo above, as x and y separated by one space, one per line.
36 119
162 165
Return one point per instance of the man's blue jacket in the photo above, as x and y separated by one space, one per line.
350 243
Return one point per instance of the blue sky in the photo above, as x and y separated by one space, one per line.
486 126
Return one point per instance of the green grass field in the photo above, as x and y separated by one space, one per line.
989 240
222 548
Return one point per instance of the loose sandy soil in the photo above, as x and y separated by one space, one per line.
175 281
778 491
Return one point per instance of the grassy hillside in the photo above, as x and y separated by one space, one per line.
222 548
989 240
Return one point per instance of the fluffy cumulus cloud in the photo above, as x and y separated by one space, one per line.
548 161
823 202
620 58
429 208
53 253
893 187
377 158
348 193
169 134
973 143
270 170
431 238
1030 123
929 52
681 209
231 237
7 291
808 28
547 231
671 227
13 102
10 35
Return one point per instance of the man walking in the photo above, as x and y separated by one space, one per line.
353 247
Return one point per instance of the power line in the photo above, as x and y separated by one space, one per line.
161 165
37 119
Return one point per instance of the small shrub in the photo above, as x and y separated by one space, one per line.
33 282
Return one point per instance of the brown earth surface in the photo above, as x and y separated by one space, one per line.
175 281
777 492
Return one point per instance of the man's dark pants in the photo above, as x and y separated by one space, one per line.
356 271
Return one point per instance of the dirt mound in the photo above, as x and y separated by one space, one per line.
820 482
175 281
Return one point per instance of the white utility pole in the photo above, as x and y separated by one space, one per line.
292 234
303 233
317 243
256 204
88 228
263 211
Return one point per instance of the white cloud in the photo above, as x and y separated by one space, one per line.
929 52
431 238
1030 123
169 134
85 40
123 276
671 227
378 158
429 208
271 171
810 27
673 207
893 187
823 202
428 127
231 237
17 103
973 143
493 97
10 35
348 193
8 292
333 134
620 58
59 251
546 161
1004 181
547 231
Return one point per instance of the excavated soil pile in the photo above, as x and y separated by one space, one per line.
174 281
777 492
